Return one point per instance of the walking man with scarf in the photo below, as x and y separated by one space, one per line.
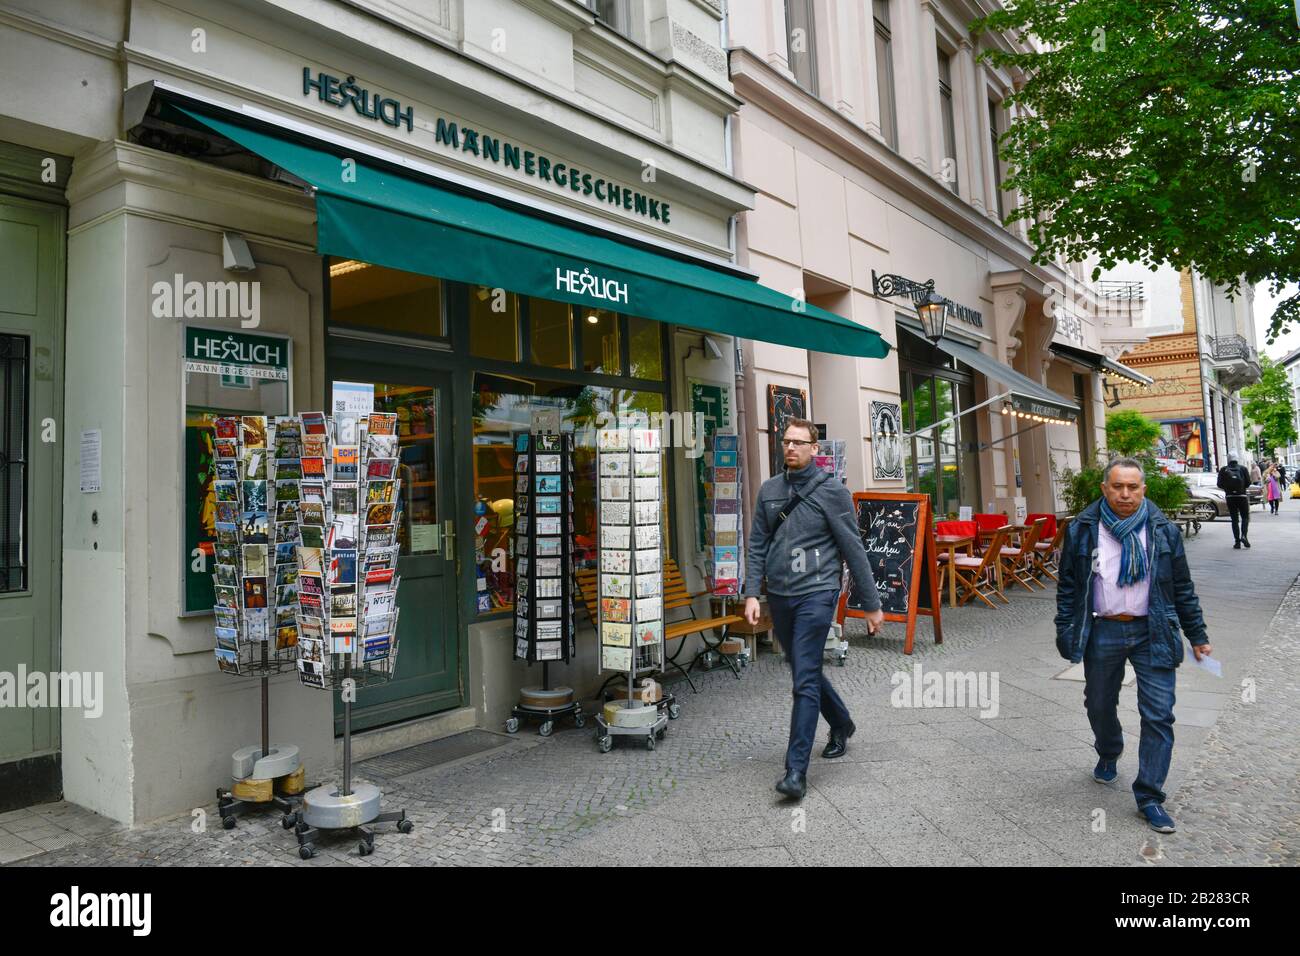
1125 590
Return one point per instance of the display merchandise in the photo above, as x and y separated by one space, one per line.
543 547
723 525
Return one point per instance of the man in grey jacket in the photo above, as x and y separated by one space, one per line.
804 525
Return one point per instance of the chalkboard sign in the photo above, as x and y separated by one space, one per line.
898 535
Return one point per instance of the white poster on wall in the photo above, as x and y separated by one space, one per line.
91 466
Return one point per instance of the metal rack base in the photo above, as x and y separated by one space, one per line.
325 808
547 715
607 732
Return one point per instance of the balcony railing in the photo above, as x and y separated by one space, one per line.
1116 289
1227 348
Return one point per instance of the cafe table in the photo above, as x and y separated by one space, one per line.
952 542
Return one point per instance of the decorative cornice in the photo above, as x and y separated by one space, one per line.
59 33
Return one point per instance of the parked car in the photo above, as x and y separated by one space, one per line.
1209 502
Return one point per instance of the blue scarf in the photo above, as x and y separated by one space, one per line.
1133 559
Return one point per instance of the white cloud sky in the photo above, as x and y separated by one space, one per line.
1289 341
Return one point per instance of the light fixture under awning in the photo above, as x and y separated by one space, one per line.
1100 363
393 219
1024 395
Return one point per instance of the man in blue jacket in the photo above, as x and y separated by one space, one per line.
1124 592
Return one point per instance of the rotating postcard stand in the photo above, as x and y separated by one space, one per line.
256 594
543 550
350 511
630 579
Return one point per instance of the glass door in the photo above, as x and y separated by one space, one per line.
427 679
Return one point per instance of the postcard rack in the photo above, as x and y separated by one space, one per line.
350 521
630 577
543 553
724 534
255 589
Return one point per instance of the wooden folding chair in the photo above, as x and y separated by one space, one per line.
1047 554
977 576
1018 563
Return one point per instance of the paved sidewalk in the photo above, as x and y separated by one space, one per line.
918 786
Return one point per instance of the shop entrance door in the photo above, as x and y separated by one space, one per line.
32 450
428 676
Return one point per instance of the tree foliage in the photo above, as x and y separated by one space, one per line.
1268 403
1159 131
1130 433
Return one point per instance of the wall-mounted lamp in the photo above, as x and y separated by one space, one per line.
235 254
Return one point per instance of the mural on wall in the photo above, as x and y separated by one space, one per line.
886 440
782 404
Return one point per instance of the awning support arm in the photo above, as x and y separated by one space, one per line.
984 445
953 418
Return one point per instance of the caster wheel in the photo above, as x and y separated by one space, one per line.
579 721
405 826
650 742
660 732
365 849
512 725
840 662
227 823
306 852
674 711
287 821
606 744
547 728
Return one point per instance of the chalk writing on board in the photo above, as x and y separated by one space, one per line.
888 530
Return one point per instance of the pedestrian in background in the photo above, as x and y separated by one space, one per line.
1235 484
1125 590
1272 489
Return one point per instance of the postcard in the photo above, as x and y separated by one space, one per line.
548 567
648 585
226 616
288 469
381 557
521 483
615 585
311 513
313 468
615 536
727 538
311 673
647 489
521 463
381 446
343 497
380 514
727 554
381 467
286 490
312 604
286 616
287 449
614 465
226 448
547 526
227 660
548 505
615 609
380 603
226 490
727 570
226 596
726 522
648 560
649 609
310 560
376 648
342 532
286 511
382 423
311 628
310 582
343 635
342 568
647 512
612 439
309 650
255 527
549 587
615 658
547 463
286 636
226 575
647 465
380 535
254 431
725 475
254 495
650 632
723 441
224 426
313 423
226 469
617 634
257 624
312 491
346 459
381 492
724 489
549 631
228 554
614 488
547 547
614 512
227 534
255 592
255 560
616 561
315 446
726 506
311 536
343 601
521 505
547 484
379 579
549 609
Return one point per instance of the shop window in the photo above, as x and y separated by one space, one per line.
387 300
550 333
997 161
645 347
493 323
600 342
502 407
14 403
416 407
615 14
948 491
885 73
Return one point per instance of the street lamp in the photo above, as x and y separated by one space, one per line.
933 313
1256 428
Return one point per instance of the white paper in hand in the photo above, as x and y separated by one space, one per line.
1209 664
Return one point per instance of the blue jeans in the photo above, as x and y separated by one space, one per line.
801 625
1110 645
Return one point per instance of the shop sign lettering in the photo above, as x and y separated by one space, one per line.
588 284
336 92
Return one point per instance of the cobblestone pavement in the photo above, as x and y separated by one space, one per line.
919 785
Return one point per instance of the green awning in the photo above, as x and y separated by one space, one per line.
393 220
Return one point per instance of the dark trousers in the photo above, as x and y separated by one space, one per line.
1239 512
801 624
1110 645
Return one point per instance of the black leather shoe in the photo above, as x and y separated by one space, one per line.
1245 542
839 742
1237 546
793 785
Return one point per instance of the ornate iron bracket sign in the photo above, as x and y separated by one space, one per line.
888 284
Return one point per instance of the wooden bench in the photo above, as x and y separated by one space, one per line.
676 597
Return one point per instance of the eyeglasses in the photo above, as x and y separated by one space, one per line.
794 443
